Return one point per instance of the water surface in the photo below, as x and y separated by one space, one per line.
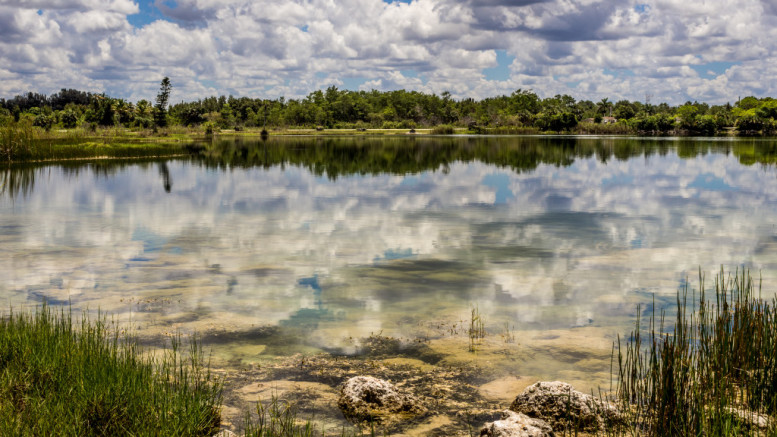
308 245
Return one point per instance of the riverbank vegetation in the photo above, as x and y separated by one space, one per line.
85 378
713 371
335 157
523 111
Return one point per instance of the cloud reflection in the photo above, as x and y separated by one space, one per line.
555 247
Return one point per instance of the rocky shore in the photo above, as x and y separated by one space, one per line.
401 396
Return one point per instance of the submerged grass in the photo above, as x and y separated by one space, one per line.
59 377
713 373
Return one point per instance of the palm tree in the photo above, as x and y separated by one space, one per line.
604 107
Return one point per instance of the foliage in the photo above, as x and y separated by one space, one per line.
160 109
16 140
445 129
720 357
750 124
399 109
83 379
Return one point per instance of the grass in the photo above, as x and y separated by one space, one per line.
277 418
16 140
21 142
58 377
444 129
714 366
477 329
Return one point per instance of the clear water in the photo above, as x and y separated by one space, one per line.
310 245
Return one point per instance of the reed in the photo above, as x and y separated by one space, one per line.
278 418
444 129
16 140
60 377
712 373
477 330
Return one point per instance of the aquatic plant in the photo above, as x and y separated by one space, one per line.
59 377
714 372
477 330
278 418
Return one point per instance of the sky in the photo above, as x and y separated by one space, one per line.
671 51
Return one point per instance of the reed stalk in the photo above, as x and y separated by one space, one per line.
711 372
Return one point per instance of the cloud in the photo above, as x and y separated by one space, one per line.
243 47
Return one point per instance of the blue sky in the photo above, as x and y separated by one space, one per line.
671 50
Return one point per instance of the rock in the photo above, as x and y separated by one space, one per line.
561 406
514 424
364 398
225 433
750 419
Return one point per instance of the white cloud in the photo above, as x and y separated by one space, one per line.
585 48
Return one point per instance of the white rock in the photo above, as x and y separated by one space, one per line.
514 424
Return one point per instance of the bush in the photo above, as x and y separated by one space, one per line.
68 119
444 129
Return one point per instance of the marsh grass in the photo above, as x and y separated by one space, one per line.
444 129
16 140
710 373
276 418
477 329
279 418
60 377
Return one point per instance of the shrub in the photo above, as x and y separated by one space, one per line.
444 129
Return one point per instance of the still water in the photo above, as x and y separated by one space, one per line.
309 245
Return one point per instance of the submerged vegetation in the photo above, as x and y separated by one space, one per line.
83 379
714 372
710 371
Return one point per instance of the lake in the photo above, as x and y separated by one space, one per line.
307 245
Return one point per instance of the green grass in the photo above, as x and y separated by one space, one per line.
16 140
720 355
444 129
58 377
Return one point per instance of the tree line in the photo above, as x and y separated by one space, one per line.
522 110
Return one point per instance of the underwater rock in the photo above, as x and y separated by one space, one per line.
364 398
560 405
749 419
514 424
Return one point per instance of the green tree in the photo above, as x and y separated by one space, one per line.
160 110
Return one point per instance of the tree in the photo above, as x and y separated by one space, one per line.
604 107
160 110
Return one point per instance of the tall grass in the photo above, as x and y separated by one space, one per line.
477 329
16 140
59 377
711 373
276 418
444 129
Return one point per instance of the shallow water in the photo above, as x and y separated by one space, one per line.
308 245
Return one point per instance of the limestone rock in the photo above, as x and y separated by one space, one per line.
514 424
560 405
750 419
364 398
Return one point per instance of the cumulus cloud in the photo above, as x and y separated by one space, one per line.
589 49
